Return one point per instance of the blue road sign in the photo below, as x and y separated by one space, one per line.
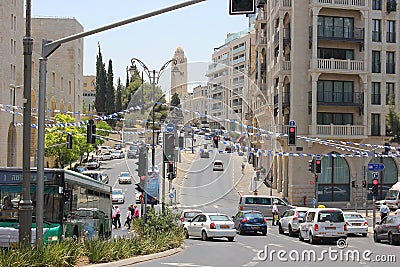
376 167
170 127
375 175
314 201
292 123
171 195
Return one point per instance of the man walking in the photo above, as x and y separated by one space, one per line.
117 217
384 210
275 213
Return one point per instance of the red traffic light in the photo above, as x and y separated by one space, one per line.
291 129
375 182
143 178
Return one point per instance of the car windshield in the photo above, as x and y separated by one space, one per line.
133 148
124 174
117 192
190 214
253 215
353 216
92 160
391 195
331 216
219 218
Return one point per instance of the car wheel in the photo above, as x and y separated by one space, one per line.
280 229
204 236
390 239
312 240
186 233
290 230
230 238
364 234
264 232
376 239
300 237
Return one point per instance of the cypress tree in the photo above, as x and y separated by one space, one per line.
110 93
100 85
118 98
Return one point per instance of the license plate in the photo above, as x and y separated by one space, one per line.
224 226
330 228
357 224
255 227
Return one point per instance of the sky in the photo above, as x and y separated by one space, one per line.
198 29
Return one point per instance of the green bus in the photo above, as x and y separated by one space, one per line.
75 206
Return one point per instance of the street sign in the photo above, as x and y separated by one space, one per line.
376 166
170 127
314 201
171 195
375 175
292 123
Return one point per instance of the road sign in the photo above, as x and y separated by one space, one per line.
292 123
312 182
170 127
376 166
314 201
171 195
375 175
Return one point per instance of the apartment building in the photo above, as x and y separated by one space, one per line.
89 92
228 80
197 101
331 67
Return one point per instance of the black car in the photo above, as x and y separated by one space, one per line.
251 221
388 229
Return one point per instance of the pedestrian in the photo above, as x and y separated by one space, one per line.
384 210
117 217
275 213
128 218
135 212
243 166
113 217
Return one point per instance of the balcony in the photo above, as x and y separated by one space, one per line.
351 99
338 65
338 131
285 100
282 66
347 4
261 41
280 4
335 33
239 49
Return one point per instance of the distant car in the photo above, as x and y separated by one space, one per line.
291 219
124 178
105 156
92 163
218 165
204 154
323 224
356 223
118 196
250 221
207 136
80 169
132 152
210 225
118 154
388 229
188 214
228 149
117 146
98 176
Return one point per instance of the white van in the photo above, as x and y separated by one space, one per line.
392 198
104 149
263 204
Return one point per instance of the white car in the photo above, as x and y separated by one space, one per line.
291 219
188 214
105 156
356 223
118 196
92 164
218 165
210 225
323 224
124 178
117 154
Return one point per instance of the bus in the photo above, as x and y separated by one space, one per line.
75 206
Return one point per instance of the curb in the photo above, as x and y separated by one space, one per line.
137 259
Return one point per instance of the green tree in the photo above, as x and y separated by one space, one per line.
118 97
393 123
175 100
110 91
100 85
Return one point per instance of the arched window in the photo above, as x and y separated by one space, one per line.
386 178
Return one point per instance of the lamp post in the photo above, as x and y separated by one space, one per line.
12 157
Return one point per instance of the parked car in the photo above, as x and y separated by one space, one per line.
188 214
263 204
117 154
323 224
132 152
105 156
290 220
117 146
250 221
103 149
80 169
118 196
356 223
210 225
388 229
93 163
204 153
218 165
98 176
124 178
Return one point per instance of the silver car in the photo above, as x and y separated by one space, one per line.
210 225
291 219
356 223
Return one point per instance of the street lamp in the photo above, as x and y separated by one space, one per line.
154 77
12 157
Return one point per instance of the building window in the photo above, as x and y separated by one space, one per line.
390 94
375 124
390 63
391 5
376 4
376 30
335 91
326 118
376 61
62 83
336 53
376 93
390 31
69 87
53 80
337 27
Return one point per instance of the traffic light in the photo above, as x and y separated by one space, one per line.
311 165
69 141
318 165
169 147
170 167
242 7
292 136
375 184
364 183
91 133
216 140
141 162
